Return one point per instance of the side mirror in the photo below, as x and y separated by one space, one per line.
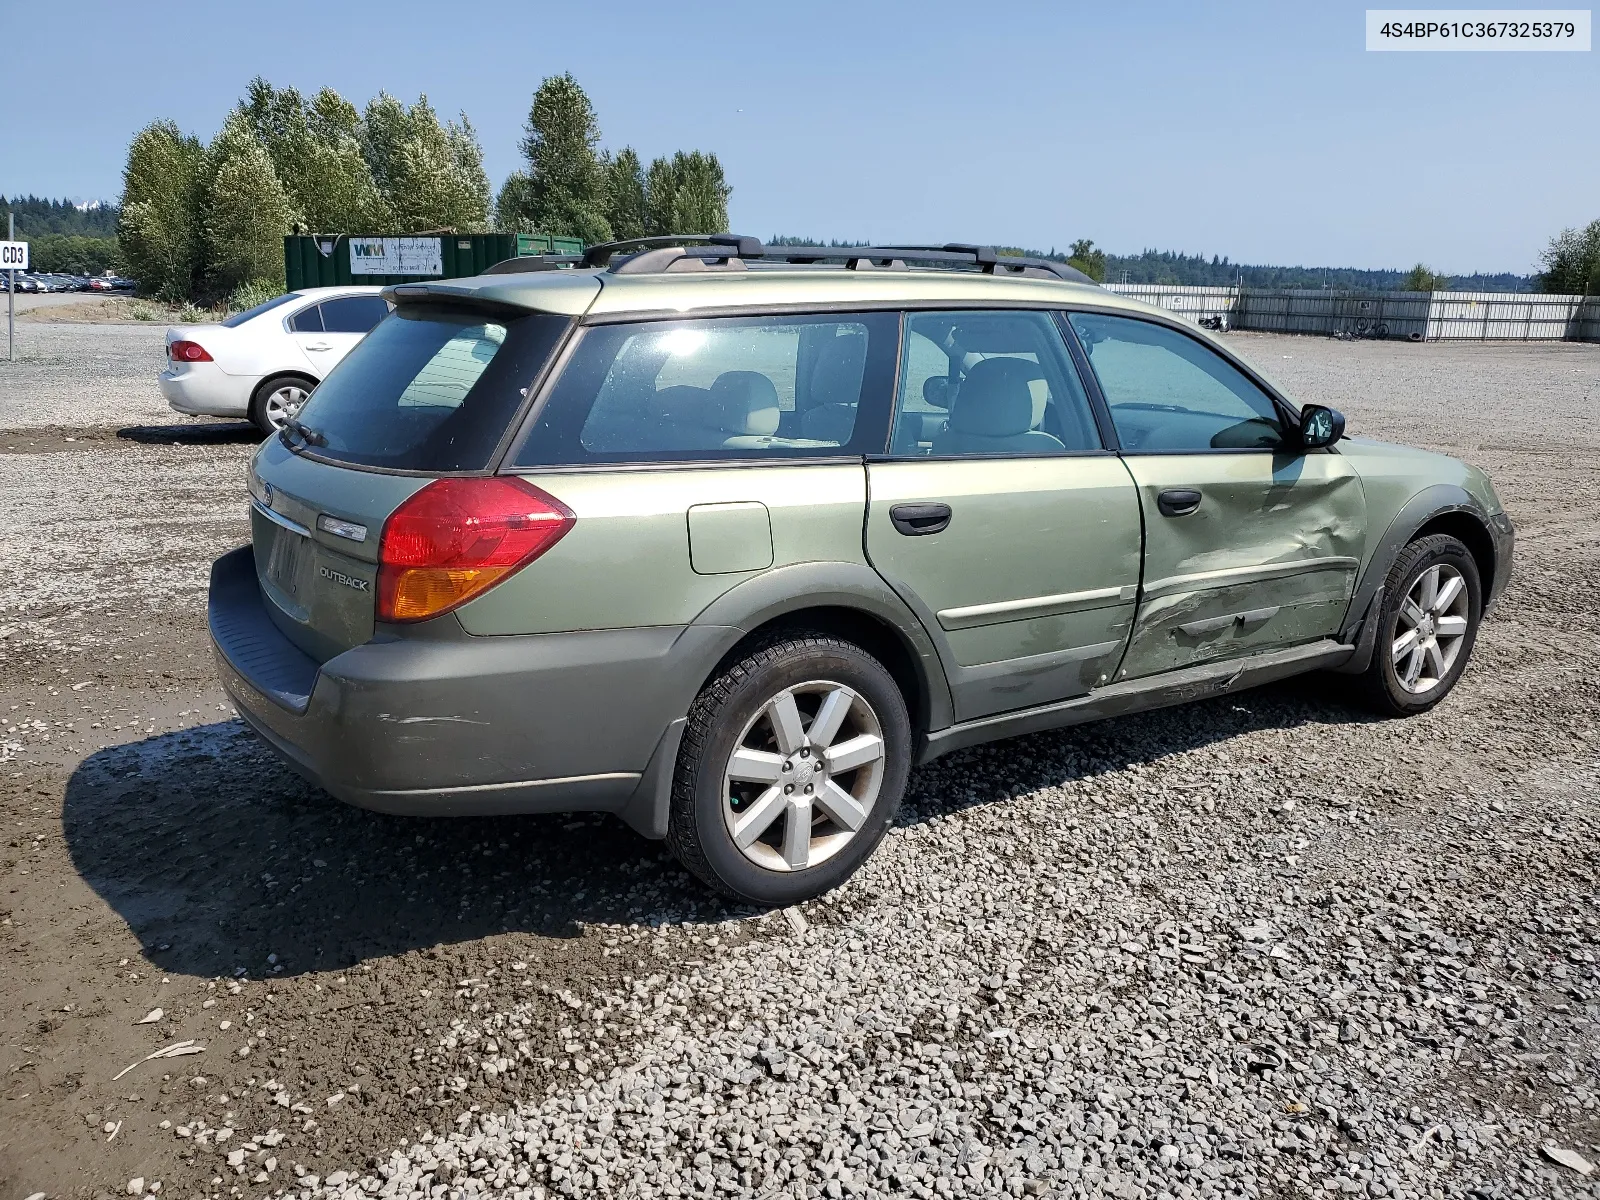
936 391
1320 426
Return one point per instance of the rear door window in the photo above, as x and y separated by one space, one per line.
735 387
980 383
432 389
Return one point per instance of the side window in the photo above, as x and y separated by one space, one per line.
735 387
353 314
989 383
1169 391
307 320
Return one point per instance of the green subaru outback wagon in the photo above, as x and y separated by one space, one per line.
724 539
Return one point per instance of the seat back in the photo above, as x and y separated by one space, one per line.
993 413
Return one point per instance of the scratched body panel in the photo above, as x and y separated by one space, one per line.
1269 559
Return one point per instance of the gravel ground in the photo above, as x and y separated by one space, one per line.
78 376
1260 946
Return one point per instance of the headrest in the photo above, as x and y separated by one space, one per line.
745 402
836 379
995 400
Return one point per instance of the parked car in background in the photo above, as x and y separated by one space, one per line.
26 283
262 363
724 542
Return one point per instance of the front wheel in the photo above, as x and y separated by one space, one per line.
793 763
1433 600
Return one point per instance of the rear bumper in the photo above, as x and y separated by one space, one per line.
205 389
445 724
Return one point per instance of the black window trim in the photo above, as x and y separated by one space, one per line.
541 390
1290 414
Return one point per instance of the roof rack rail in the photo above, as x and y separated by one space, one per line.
729 252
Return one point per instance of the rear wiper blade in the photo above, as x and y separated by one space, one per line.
307 434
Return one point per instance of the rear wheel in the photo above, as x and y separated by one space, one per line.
1433 600
278 399
793 764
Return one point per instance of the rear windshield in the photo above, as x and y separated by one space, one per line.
239 318
429 389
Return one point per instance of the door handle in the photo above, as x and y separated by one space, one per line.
913 520
1178 502
319 346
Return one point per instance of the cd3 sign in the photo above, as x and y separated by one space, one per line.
13 256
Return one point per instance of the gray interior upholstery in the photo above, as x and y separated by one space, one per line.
993 413
745 403
835 391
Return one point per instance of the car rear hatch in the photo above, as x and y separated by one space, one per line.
432 392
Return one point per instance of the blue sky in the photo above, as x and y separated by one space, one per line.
1264 132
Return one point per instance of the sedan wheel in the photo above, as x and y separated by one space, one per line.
283 403
803 776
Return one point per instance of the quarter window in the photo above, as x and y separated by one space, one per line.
307 320
738 387
989 383
1168 391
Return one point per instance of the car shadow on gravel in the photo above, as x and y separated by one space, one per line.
209 433
218 857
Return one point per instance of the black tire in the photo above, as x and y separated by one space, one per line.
260 401
697 827
1381 686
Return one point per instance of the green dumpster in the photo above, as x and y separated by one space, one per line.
331 260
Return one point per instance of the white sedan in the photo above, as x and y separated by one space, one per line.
262 363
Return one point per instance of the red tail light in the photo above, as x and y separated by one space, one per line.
457 538
188 352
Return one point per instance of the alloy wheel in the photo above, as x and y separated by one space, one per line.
1430 629
804 775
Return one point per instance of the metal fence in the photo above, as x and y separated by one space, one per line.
1417 316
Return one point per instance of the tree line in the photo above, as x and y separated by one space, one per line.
62 236
206 221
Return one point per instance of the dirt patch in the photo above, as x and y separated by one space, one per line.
105 310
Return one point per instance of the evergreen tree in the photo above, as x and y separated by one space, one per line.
159 227
247 212
625 195
565 193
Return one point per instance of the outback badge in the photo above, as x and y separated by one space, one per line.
349 581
